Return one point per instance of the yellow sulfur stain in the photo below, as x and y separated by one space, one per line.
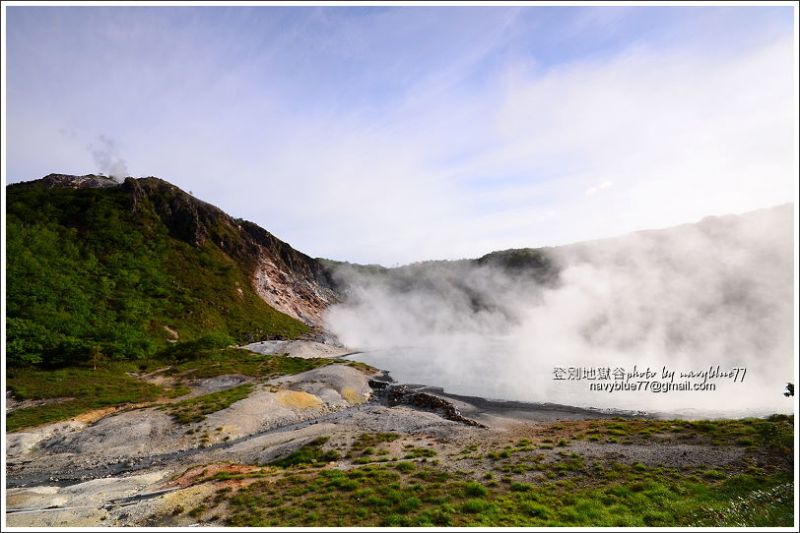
298 399
94 415
187 498
352 397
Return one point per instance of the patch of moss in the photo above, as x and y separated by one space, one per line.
196 409
310 454
87 388
207 363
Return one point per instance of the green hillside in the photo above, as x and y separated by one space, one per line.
112 272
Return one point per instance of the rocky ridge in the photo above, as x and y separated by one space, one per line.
288 280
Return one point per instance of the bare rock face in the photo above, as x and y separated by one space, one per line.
286 279
89 181
291 292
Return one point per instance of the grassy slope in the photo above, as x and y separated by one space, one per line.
75 390
114 383
86 276
196 409
524 483
407 494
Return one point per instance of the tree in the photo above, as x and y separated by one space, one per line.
95 355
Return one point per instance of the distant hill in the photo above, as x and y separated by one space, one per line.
741 264
124 269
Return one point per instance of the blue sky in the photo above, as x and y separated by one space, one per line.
393 135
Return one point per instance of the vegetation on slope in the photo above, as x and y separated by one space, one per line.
310 454
196 409
405 494
208 363
520 482
101 273
70 391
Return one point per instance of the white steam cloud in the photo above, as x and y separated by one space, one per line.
719 292
106 156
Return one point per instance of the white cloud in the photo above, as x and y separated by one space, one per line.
678 136
455 164
597 188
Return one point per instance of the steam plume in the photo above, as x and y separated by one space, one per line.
714 293
107 158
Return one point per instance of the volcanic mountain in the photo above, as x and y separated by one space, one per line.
124 268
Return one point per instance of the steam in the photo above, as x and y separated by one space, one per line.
107 158
719 292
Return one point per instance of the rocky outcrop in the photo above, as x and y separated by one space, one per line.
66 181
187 218
286 279
291 292
403 395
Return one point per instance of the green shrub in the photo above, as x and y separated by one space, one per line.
475 506
311 453
473 488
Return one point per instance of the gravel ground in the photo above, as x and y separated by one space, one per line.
300 348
